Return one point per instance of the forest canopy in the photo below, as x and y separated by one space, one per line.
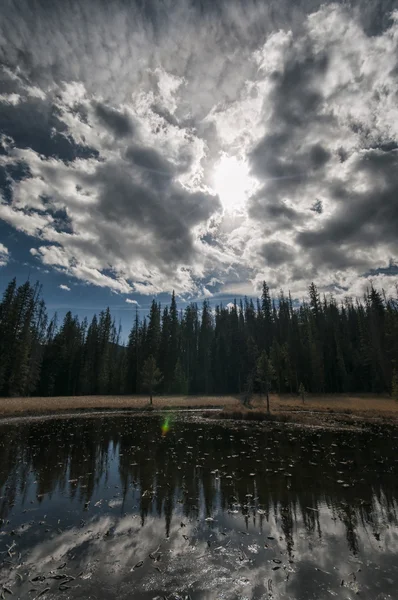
320 345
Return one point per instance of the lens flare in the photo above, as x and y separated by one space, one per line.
165 426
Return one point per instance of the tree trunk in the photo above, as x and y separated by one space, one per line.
267 392
150 396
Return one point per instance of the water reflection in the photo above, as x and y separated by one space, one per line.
204 511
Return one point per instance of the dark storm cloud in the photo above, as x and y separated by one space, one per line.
293 158
112 49
165 114
33 120
127 197
12 173
159 77
117 122
33 124
363 218
152 163
272 211
286 159
296 99
135 203
318 156
387 146
282 155
276 253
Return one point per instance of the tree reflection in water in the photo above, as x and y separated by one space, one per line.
252 512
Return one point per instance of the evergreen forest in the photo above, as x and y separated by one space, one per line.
318 345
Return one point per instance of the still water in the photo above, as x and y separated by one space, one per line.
148 507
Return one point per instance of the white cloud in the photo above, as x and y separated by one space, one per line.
4 255
64 287
13 99
129 301
117 193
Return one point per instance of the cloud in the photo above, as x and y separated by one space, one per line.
33 120
64 287
129 301
139 207
118 123
370 215
109 145
4 255
12 99
277 253
326 135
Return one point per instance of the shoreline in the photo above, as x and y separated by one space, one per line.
332 411
37 406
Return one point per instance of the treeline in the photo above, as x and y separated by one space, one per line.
319 346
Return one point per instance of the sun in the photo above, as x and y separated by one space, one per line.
232 182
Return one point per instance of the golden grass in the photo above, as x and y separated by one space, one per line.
316 409
18 406
330 409
333 402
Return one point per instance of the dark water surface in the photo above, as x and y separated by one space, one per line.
198 511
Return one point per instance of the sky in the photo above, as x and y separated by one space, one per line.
200 146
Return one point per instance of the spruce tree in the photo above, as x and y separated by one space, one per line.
151 376
265 375
324 345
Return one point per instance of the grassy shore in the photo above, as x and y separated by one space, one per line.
328 409
37 405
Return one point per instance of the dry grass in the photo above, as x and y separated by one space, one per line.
320 410
316 410
18 406
364 403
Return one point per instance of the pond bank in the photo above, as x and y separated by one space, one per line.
329 411
333 411
12 407
304 418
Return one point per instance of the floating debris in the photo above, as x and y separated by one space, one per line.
7 590
47 589
155 500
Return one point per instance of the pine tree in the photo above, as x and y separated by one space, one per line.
352 347
90 360
266 307
265 375
151 376
7 316
173 345
153 334
22 328
164 349
66 355
204 350
189 345
301 391
394 384
133 358
180 382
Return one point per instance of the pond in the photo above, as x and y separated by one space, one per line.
155 507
